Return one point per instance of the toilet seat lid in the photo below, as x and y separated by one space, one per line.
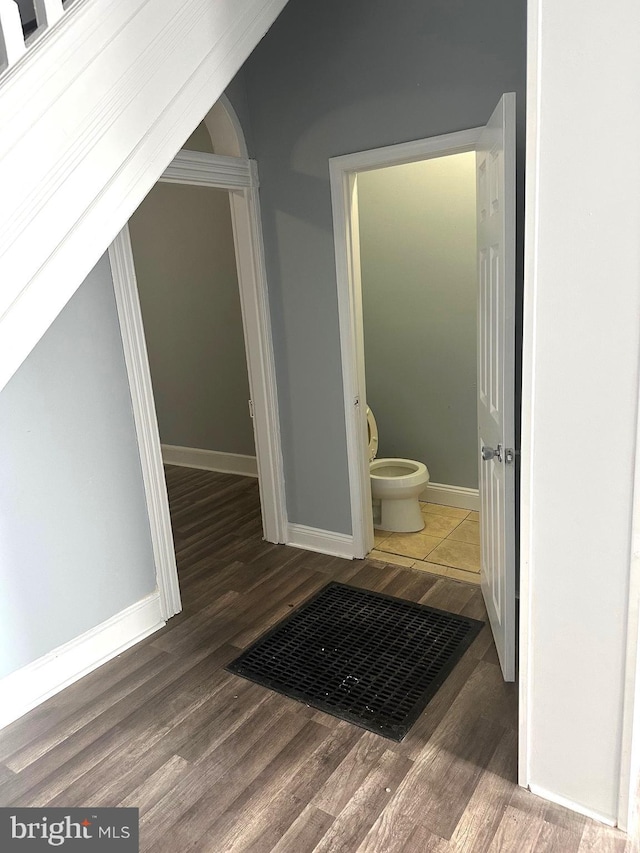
372 435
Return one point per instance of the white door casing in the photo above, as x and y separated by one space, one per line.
343 172
495 165
239 175
230 168
146 424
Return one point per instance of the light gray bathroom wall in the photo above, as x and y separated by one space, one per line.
419 286
332 78
186 270
75 546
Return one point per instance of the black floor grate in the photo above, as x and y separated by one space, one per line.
365 657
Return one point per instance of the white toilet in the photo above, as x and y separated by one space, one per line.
395 487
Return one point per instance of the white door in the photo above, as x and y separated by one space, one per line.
495 166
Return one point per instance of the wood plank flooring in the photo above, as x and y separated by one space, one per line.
218 764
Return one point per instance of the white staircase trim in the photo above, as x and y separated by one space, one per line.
73 168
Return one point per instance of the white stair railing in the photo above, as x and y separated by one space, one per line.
11 37
48 12
12 40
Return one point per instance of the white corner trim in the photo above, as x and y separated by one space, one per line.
322 541
38 681
144 415
628 805
460 496
210 460
526 686
570 804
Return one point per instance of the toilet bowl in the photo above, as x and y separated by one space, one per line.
396 485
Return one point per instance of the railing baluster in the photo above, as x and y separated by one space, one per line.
48 12
11 38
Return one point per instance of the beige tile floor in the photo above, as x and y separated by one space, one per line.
449 545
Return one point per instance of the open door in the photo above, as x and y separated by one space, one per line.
495 172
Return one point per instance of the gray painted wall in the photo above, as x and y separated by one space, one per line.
187 279
236 91
75 544
419 291
332 78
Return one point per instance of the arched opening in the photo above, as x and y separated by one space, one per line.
225 130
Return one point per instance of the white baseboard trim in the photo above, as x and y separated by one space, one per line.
460 496
210 460
322 541
569 804
33 684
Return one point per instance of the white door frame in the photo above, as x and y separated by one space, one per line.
343 173
239 176
146 423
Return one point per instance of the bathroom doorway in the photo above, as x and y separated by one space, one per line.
492 155
417 236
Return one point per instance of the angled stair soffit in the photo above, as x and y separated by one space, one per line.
92 115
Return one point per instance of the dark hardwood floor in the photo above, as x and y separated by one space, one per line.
218 764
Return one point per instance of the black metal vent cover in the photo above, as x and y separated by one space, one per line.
365 657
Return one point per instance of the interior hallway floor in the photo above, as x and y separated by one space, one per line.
449 544
216 763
